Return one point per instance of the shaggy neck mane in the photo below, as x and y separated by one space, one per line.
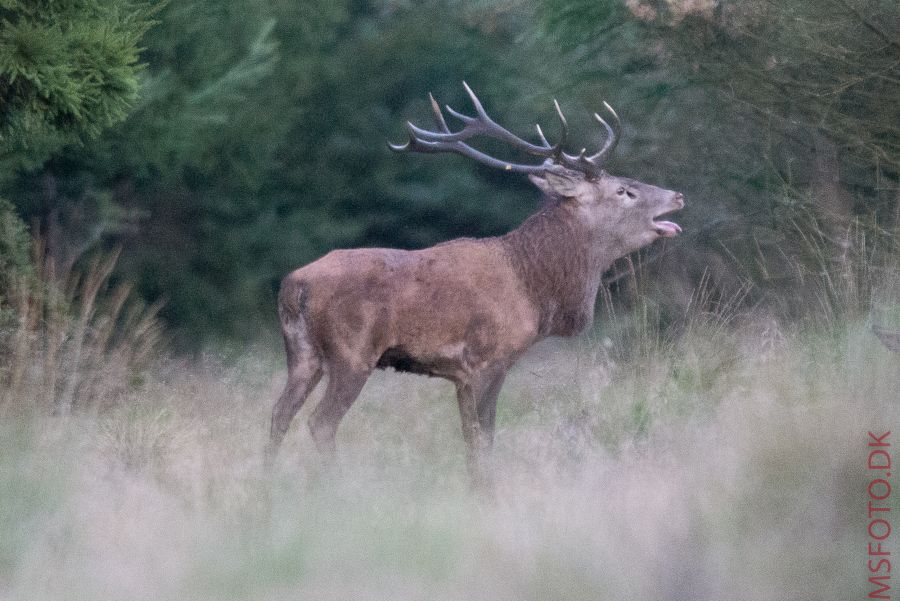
556 259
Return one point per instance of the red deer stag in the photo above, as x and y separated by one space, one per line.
467 309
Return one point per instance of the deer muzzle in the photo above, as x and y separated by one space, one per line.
667 229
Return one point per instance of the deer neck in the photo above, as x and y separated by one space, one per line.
560 263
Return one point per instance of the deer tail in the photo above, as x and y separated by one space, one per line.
291 298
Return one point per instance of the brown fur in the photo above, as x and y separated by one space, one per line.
463 310
551 254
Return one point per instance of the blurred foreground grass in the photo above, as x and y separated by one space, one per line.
729 464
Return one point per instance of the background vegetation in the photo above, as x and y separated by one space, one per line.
163 165
255 132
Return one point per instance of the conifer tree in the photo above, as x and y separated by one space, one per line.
68 69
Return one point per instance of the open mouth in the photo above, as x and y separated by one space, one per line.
666 229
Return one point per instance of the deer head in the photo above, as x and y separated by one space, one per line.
622 211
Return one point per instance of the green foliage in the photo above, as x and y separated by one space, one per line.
67 71
830 65
257 141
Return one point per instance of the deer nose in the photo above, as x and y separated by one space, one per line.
679 199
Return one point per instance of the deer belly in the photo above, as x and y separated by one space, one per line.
438 364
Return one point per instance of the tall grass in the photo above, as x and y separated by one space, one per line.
683 479
721 458
70 339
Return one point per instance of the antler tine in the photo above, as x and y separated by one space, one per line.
419 135
438 115
612 138
462 117
477 104
483 119
406 146
399 147
613 112
414 143
430 136
542 136
563 129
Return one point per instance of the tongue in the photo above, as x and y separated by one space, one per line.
667 228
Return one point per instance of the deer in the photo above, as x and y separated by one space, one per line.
465 310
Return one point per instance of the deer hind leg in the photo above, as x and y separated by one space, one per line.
304 372
477 400
344 385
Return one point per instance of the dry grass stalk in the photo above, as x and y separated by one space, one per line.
76 340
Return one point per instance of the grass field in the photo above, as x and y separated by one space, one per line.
729 464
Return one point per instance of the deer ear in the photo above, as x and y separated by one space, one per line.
541 183
565 185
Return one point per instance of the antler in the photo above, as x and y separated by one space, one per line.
423 140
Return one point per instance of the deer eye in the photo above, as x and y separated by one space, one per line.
620 191
631 194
